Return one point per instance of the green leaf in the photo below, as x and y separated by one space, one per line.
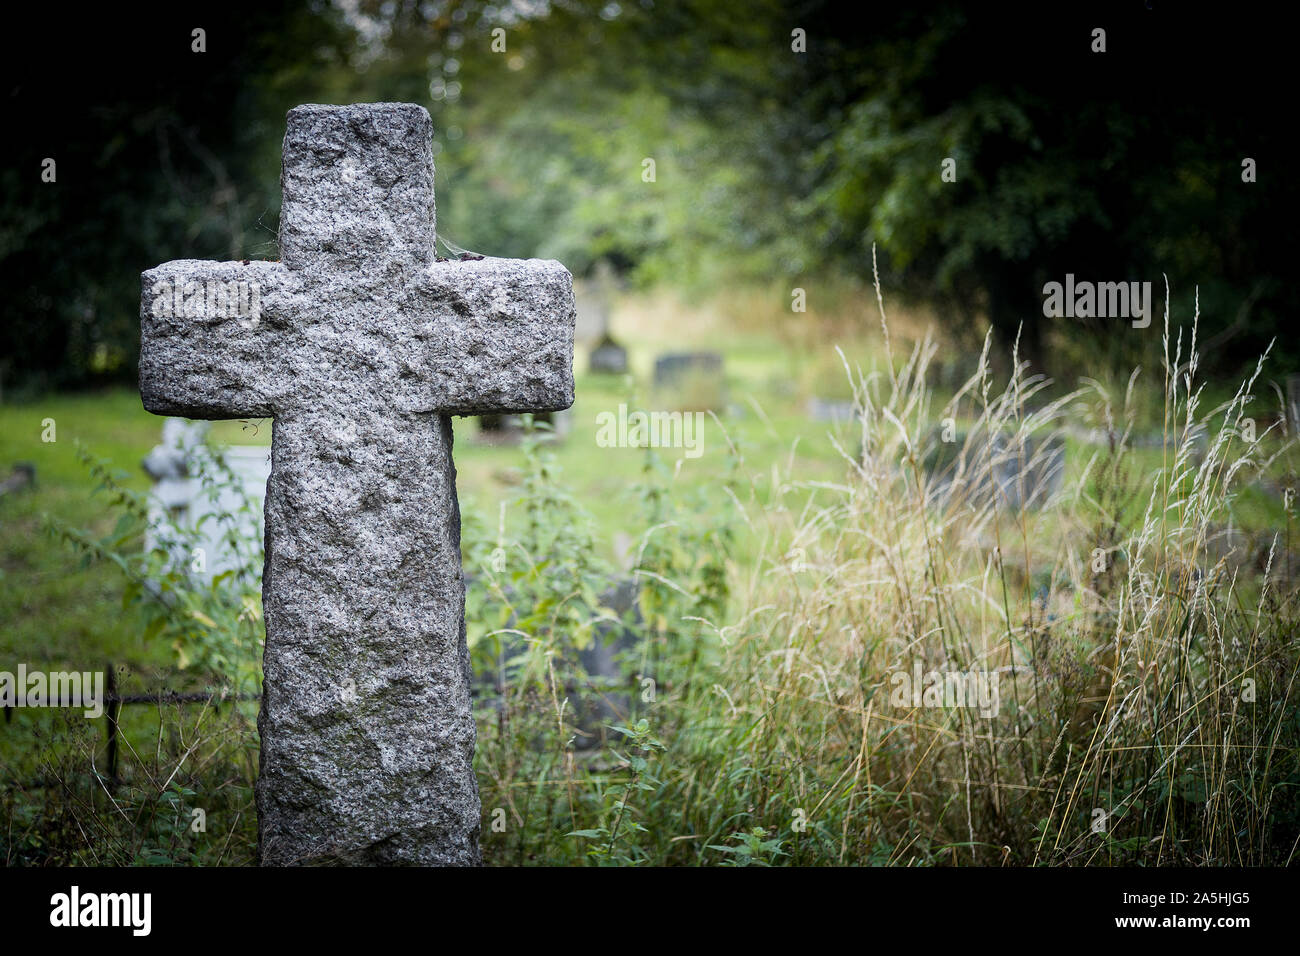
203 619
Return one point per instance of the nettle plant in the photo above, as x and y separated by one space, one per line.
536 596
537 593
571 756
212 622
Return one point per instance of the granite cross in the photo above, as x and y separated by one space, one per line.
361 343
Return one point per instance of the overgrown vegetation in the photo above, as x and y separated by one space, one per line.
145 798
1147 671
1145 651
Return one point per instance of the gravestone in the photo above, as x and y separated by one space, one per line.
605 698
835 411
362 347
605 660
593 298
1009 471
674 367
510 430
608 357
23 476
693 379
178 497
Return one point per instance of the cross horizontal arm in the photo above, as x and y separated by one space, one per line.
207 337
490 336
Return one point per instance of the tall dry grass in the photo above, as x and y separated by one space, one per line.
1147 679
1146 670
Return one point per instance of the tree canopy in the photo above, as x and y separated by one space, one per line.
770 162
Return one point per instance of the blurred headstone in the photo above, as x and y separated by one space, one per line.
593 299
23 476
1015 472
671 369
509 429
831 410
608 357
604 696
604 662
178 494
694 379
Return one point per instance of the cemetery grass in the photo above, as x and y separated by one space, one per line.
783 581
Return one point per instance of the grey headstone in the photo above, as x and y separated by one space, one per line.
23 476
608 358
675 367
691 380
603 662
362 347
595 307
1010 471
594 301
510 429
830 410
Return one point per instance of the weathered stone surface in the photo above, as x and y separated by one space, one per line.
361 347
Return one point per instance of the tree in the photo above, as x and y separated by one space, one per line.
159 150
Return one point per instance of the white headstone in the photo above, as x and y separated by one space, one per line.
179 498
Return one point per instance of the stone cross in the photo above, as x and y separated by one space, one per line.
362 345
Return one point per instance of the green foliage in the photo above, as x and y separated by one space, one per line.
543 585
780 742
777 164
161 153
765 734
545 750
749 848
183 789
184 796
620 815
